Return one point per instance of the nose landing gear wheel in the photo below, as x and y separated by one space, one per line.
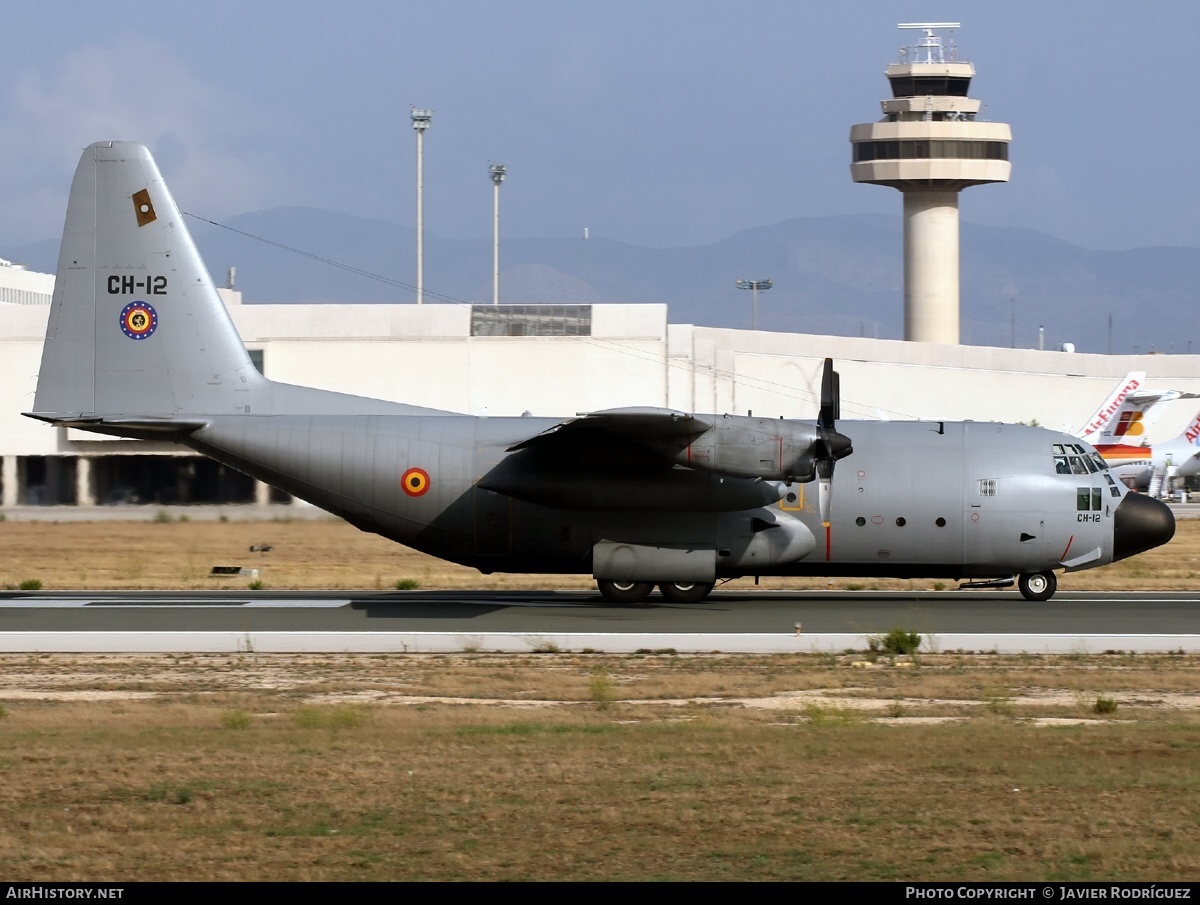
685 591
1037 585
624 591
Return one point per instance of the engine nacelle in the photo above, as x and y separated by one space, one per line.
747 447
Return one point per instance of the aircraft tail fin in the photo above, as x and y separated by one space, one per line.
136 326
1191 433
1115 413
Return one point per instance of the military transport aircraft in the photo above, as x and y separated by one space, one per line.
139 345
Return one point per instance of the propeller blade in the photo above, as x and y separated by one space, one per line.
831 445
825 489
830 396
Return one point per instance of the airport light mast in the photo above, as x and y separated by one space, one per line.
754 286
497 171
421 120
930 146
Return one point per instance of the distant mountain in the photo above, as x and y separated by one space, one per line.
835 275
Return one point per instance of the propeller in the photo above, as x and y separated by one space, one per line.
830 445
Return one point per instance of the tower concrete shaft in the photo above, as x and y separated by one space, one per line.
931 266
930 145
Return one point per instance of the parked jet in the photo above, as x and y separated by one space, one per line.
1140 466
1121 412
1128 413
1118 429
139 345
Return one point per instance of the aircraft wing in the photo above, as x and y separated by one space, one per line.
644 425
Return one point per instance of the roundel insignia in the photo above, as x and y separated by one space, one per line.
415 481
139 320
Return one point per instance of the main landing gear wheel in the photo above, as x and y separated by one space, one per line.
685 591
1037 585
624 591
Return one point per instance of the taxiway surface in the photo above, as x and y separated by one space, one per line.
451 620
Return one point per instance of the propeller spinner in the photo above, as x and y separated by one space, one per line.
830 445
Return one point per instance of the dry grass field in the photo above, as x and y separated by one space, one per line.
573 766
594 767
330 554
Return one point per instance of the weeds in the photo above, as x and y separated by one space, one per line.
407 584
601 687
999 701
235 719
895 642
343 716
256 585
170 794
30 584
1105 705
162 517
829 716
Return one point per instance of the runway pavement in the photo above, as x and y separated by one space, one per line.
762 621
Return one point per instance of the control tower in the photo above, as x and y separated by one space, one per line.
930 145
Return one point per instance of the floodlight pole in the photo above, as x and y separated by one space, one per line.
754 286
497 171
420 122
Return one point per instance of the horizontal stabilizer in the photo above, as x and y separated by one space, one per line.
116 424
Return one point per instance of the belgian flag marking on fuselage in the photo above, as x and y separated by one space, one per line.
415 481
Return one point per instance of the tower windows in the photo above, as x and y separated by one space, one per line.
926 149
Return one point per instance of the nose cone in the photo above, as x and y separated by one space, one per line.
1142 523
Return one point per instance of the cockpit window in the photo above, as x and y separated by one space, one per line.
1071 458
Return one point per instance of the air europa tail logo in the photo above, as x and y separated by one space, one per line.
1105 413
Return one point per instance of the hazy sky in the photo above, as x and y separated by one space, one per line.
657 122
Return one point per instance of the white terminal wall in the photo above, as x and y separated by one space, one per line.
425 355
